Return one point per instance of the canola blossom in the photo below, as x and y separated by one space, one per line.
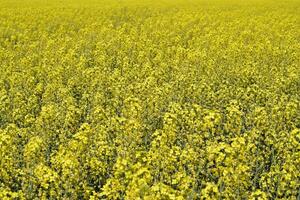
129 99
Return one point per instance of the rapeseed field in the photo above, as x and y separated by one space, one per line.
129 99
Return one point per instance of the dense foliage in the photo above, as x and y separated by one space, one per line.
149 100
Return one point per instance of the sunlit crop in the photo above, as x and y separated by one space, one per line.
129 99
